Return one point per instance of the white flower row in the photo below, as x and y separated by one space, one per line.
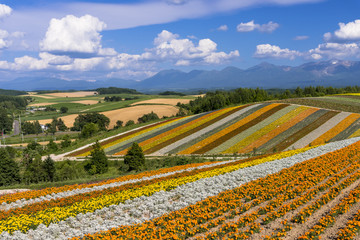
22 202
150 207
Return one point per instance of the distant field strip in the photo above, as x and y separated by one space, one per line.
341 126
307 139
262 127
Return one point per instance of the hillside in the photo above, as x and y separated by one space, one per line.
260 128
303 193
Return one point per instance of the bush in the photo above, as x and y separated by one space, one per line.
135 158
119 124
64 109
98 161
129 123
148 117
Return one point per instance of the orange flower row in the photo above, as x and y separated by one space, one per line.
204 215
281 128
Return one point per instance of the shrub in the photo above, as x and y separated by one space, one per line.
129 123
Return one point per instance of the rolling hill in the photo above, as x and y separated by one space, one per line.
261 128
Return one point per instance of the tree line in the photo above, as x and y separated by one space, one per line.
219 99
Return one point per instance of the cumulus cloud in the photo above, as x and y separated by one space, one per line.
273 51
300 38
223 28
251 26
335 50
4 11
346 33
169 47
74 36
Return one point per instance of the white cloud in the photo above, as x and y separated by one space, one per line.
29 63
168 47
223 28
251 26
335 50
73 36
347 32
177 2
131 74
54 59
300 38
82 64
5 11
273 51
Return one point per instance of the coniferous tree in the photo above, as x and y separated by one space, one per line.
9 169
49 168
135 158
98 160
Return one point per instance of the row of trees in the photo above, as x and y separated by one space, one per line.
219 99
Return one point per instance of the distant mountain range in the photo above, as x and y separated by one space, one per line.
335 73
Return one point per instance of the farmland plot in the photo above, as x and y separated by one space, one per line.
265 127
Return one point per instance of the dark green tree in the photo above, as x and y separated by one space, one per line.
129 123
148 117
100 119
66 142
89 130
5 121
34 171
135 158
9 169
119 124
28 128
98 160
61 125
52 146
49 168
64 109
37 127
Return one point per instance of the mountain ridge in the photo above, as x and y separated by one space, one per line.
337 73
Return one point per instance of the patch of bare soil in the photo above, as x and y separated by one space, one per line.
72 94
170 101
40 104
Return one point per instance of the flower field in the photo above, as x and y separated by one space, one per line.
302 194
266 127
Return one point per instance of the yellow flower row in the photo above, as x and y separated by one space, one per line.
256 135
24 222
223 132
171 134
132 136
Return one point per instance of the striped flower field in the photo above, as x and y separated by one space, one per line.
263 197
265 127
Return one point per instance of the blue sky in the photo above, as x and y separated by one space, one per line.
91 39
